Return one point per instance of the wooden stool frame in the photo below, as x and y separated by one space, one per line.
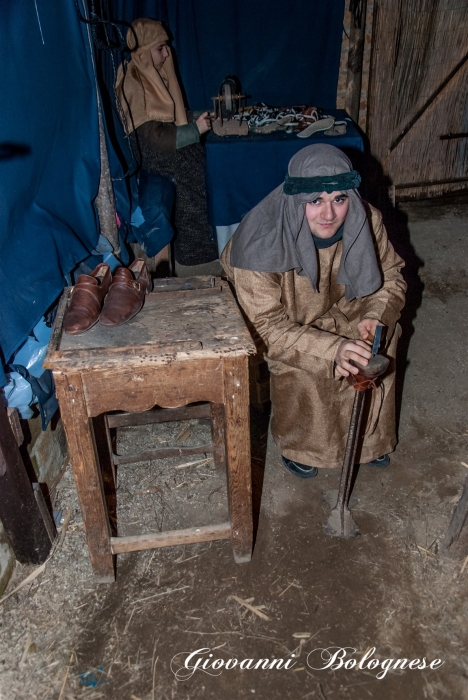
92 380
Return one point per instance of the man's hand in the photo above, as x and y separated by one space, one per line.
367 327
203 122
356 350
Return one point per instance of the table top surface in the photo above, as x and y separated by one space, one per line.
182 319
351 137
242 170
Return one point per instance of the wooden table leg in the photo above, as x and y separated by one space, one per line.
237 431
217 435
83 456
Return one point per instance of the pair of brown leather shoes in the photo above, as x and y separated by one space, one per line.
123 297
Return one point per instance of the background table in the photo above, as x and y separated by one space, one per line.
242 170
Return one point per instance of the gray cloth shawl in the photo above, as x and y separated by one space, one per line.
275 235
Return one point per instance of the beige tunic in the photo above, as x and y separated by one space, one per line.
302 330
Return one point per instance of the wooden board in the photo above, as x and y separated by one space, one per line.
158 415
162 453
87 473
237 430
172 325
152 540
418 95
139 388
19 511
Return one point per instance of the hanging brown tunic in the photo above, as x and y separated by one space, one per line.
302 330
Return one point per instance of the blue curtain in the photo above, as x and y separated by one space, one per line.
49 159
283 51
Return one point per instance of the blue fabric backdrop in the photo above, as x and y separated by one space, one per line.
283 51
49 112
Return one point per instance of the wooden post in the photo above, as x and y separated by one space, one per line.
355 54
237 427
86 470
19 511
217 435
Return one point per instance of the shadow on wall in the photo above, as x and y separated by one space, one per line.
375 189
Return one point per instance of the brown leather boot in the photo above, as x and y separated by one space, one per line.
126 294
86 300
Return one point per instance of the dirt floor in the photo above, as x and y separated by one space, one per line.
65 636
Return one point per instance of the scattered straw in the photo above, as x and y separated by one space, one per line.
286 589
153 663
250 607
128 621
356 668
64 528
27 580
465 564
157 595
198 462
464 464
27 644
184 433
66 676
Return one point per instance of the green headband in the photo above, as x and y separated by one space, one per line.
324 183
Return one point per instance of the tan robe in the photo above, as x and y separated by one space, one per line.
302 330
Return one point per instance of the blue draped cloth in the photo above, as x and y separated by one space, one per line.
283 51
49 177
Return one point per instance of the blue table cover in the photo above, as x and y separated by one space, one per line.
243 170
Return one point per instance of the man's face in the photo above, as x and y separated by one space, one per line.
159 54
327 213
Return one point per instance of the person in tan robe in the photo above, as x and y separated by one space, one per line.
167 140
314 290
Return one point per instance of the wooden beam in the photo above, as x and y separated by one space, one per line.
354 76
161 453
239 478
153 540
19 511
218 436
158 415
87 472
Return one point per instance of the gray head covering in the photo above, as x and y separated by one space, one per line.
275 235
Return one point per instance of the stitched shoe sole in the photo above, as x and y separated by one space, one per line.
300 470
81 331
320 125
110 324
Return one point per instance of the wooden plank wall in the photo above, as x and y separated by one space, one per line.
418 93
366 59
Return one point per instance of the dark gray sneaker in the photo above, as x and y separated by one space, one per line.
380 462
298 469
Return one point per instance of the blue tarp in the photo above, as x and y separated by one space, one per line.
283 51
49 112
